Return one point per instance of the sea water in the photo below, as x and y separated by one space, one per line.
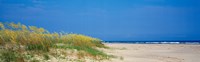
155 42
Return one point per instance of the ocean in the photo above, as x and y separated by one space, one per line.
155 42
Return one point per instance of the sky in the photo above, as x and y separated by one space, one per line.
109 20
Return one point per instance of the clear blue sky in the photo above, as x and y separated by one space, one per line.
110 19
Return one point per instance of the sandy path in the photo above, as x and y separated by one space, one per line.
154 53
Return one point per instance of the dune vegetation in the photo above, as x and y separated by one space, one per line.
21 43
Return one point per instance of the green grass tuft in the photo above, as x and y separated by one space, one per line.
9 55
46 56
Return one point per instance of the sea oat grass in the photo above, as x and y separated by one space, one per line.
16 39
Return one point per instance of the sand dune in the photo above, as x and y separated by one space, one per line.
154 52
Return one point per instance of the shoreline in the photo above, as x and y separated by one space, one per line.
154 42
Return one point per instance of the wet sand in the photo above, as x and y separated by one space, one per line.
154 52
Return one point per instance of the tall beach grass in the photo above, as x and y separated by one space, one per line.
18 41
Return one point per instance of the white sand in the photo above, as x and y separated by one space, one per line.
154 52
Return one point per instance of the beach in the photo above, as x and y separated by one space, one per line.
153 52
